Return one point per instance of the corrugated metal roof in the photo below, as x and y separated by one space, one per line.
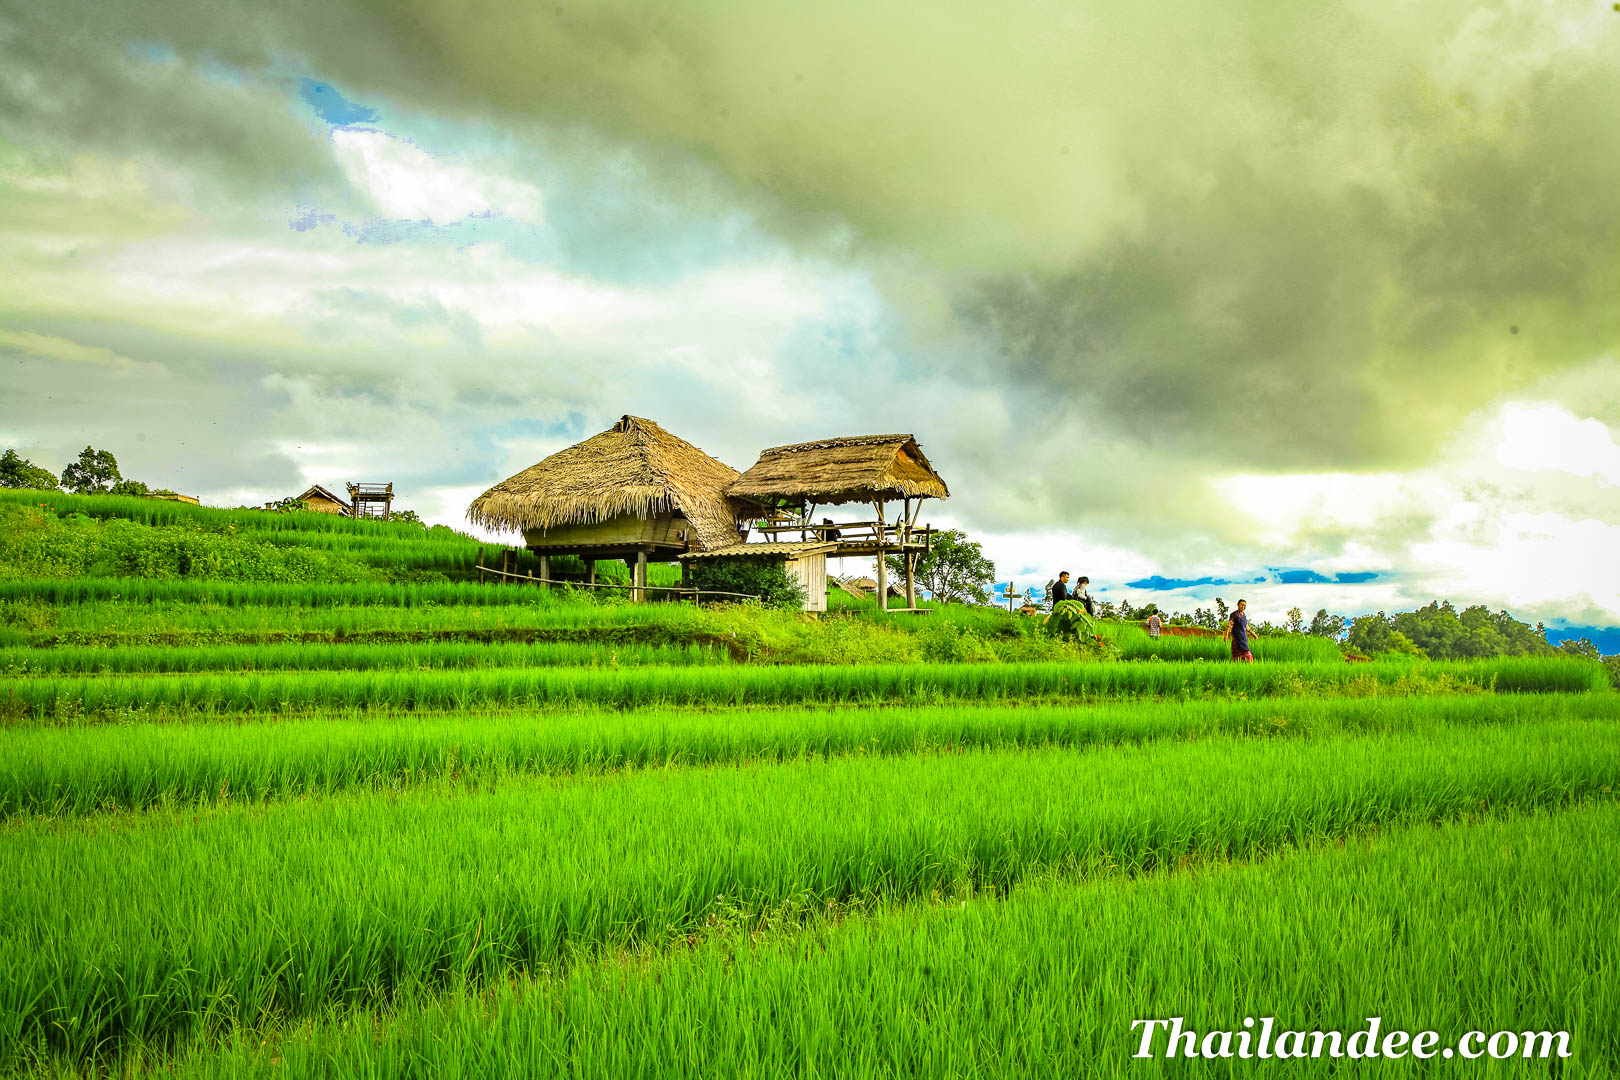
775 547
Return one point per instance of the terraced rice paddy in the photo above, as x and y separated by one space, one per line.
622 842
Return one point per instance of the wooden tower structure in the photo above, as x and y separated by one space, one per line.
371 500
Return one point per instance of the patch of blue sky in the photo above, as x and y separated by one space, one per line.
1298 577
1606 638
1159 583
1357 577
330 104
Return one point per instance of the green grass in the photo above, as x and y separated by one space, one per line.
154 929
134 766
436 656
1439 929
273 594
129 697
1135 644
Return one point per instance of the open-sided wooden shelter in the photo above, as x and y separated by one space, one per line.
635 492
787 483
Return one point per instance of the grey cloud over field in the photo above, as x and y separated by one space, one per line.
1103 258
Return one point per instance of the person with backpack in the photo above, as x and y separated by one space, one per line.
1155 626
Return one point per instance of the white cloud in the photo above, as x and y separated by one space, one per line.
1546 438
406 182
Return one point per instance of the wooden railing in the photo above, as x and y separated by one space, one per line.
853 532
687 591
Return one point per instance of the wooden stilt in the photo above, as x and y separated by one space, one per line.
911 579
882 566
640 583
590 571
545 569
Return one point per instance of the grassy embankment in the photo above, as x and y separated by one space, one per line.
401 828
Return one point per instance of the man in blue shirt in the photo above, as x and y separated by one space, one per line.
1237 632
1060 591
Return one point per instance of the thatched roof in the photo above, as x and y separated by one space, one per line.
317 492
858 468
634 467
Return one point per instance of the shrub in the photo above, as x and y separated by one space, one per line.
767 579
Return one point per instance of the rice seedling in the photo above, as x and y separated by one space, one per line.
1049 982
281 692
134 766
1134 643
114 931
431 656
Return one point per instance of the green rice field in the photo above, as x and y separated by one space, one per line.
430 828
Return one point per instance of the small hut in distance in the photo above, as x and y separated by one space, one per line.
634 492
322 501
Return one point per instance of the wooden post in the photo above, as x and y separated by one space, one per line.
640 582
882 567
911 579
480 564
590 571
545 570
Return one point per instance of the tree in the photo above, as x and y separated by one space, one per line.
955 569
130 487
1580 647
18 472
1296 621
1325 625
410 516
1369 634
94 472
767 579
1221 610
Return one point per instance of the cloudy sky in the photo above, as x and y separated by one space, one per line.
1322 299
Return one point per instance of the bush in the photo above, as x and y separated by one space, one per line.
767 579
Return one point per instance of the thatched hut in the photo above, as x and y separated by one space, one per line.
873 469
854 468
634 492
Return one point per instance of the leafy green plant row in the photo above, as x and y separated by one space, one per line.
274 594
135 766
159 512
1048 983
431 656
68 698
166 926
1134 643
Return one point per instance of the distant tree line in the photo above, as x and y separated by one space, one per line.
95 472
1437 632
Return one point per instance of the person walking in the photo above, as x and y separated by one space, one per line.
1154 626
1237 632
